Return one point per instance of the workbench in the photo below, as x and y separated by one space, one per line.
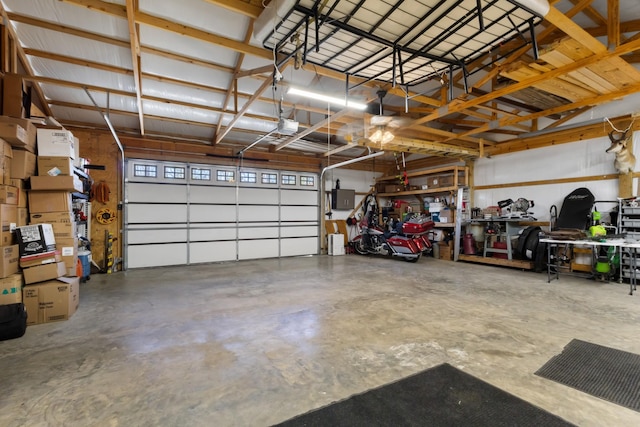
631 249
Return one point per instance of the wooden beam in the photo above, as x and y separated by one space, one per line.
245 9
311 129
613 23
241 113
234 82
460 105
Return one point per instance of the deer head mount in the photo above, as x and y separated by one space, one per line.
625 161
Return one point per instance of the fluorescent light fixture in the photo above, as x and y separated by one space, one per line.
326 98
537 7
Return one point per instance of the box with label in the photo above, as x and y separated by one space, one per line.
9 262
35 239
28 143
23 164
63 223
11 289
50 201
49 257
8 194
67 183
68 248
56 143
54 166
8 222
40 273
51 301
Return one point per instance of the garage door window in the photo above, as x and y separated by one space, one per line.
147 171
307 181
288 179
198 174
227 176
171 172
269 178
250 177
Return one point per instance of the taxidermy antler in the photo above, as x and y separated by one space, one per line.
625 161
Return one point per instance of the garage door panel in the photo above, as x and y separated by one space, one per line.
212 213
258 213
212 194
156 193
157 255
159 235
309 231
299 213
258 233
301 246
258 196
156 213
253 249
212 252
299 197
208 234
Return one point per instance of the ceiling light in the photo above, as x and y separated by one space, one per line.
326 98
537 7
380 136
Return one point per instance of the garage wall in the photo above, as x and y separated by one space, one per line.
574 160
187 213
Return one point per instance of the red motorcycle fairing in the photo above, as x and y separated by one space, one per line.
403 245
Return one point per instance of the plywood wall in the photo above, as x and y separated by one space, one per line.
101 149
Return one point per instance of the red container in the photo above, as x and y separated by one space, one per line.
500 245
469 244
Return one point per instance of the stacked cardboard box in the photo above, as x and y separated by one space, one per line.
38 241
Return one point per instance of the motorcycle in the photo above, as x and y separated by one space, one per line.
374 239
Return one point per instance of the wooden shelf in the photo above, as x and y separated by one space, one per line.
444 224
418 192
435 171
516 263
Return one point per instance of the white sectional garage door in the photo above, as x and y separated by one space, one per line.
186 213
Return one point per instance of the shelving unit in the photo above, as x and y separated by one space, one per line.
459 174
629 224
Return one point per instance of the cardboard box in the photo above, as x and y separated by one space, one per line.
8 222
63 223
67 183
23 217
23 164
54 166
40 259
68 248
50 201
8 195
50 217
11 289
56 143
9 262
28 143
35 239
51 301
6 169
14 96
40 273
446 250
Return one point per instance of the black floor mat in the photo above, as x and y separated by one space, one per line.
604 372
440 396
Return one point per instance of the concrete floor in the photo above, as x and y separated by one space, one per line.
254 343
